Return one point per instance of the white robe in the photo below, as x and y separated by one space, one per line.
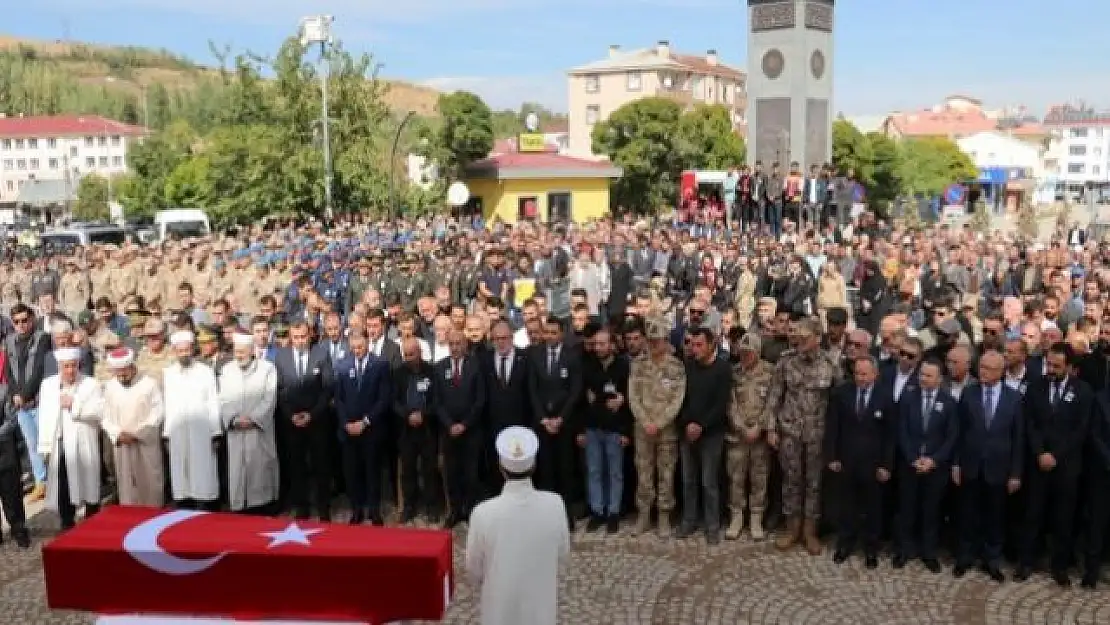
252 459
139 411
517 543
75 431
192 420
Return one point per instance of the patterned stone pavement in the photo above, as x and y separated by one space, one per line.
625 580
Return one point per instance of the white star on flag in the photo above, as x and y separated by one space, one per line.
291 534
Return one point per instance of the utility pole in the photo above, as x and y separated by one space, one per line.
317 30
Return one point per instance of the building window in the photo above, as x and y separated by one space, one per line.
34 164
1098 133
32 144
73 151
1098 152
103 161
1095 170
9 164
52 163
593 83
635 81
1077 150
1076 168
11 185
1079 133
115 141
21 164
19 144
20 184
668 81
117 161
593 112
51 143
90 162
6 144
696 86
90 142
102 141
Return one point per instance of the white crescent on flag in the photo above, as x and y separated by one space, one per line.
141 543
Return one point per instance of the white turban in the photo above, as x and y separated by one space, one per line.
182 337
120 358
66 354
242 340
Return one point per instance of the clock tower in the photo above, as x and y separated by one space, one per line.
790 70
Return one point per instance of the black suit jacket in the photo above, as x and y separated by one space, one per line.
1060 430
308 393
997 453
1099 437
424 401
558 392
887 376
507 403
390 352
369 397
863 442
938 440
462 403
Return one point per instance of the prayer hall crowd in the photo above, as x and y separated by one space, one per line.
931 389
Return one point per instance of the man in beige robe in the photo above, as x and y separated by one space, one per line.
132 419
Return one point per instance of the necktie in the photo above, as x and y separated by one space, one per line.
334 347
988 404
455 375
927 410
552 356
359 367
1057 390
861 402
503 370
300 365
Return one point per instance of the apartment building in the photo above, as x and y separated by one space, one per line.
61 148
1080 150
596 89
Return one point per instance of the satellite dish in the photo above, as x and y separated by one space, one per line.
457 194
532 122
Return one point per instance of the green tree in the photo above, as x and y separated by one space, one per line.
640 137
707 139
931 164
886 170
91 203
852 151
463 135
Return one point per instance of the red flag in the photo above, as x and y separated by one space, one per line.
128 560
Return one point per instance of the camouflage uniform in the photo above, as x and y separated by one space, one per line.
151 364
655 394
748 461
798 398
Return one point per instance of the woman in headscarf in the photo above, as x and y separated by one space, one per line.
873 298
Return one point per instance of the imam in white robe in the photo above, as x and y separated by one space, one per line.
252 460
76 432
139 411
192 405
517 544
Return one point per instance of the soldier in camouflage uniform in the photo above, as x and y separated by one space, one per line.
155 355
795 416
748 458
656 388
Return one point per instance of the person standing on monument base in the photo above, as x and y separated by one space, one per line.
518 541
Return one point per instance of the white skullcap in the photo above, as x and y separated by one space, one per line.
182 337
120 358
66 354
1048 324
516 449
242 340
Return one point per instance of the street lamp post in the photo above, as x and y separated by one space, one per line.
316 29
393 164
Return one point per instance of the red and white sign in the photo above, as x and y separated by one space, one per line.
135 560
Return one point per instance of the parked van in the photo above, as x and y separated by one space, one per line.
180 223
83 235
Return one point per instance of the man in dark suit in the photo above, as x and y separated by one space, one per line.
1097 478
903 376
859 446
303 405
1056 421
621 283
459 399
555 388
988 465
418 429
363 390
641 260
928 429
386 349
332 345
507 402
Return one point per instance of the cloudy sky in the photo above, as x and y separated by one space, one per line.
889 54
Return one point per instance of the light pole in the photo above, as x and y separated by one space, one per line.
316 29
393 164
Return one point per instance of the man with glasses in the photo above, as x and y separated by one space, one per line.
957 368
904 375
26 349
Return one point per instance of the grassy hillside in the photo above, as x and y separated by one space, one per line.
130 70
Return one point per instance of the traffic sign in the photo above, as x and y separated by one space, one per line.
954 194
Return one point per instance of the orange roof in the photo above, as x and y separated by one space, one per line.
701 65
1029 129
941 124
65 126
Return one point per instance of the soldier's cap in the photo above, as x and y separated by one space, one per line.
750 342
207 333
85 317
656 328
154 327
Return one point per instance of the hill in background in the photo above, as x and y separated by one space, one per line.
130 70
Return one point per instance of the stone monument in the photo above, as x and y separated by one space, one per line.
790 70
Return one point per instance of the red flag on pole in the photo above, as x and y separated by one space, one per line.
134 560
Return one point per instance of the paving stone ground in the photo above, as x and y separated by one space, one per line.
625 580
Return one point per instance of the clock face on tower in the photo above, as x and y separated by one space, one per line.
817 64
773 62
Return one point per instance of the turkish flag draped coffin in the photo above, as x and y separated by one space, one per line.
135 560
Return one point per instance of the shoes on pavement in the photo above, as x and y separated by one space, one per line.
595 523
1061 578
840 556
871 561
613 524
932 565
1022 573
899 561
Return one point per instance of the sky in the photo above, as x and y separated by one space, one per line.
888 54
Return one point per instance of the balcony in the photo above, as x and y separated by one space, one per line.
683 97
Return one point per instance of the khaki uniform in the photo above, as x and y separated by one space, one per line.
797 399
745 298
655 394
125 281
73 292
151 364
220 285
9 288
101 278
748 462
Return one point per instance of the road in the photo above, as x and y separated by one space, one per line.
625 580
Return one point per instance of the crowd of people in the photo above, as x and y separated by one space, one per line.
934 388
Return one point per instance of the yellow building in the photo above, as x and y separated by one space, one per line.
542 186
